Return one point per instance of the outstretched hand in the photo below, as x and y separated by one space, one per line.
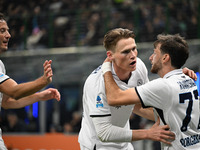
190 73
160 133
48 73
48 94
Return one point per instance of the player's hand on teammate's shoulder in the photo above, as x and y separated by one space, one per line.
107 60
160 133
190 73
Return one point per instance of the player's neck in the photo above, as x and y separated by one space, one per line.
123 75
165 70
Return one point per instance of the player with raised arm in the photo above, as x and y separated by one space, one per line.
13 95
174 96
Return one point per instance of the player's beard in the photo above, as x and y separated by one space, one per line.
156 67
3 47
2 50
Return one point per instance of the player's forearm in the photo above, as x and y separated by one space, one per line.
139 135
25 89
112 90
110 133
144 112
115 96
10 103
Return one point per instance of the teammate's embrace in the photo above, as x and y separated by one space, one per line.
174 95
107 127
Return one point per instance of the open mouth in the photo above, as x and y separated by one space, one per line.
133 63
5 42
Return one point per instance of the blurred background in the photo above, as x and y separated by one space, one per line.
70 32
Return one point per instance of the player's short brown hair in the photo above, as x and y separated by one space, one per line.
113 36
2 16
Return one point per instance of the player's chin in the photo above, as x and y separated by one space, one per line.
132 68
3 49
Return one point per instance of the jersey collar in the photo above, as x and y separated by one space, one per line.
113 72
173 72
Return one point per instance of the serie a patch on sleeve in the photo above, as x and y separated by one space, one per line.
1 75
99 102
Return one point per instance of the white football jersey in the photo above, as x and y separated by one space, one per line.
95 105
3 77
175 97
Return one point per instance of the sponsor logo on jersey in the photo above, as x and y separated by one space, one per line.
99 102
139 82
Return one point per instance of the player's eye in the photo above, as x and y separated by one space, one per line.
134 49
2 30
126 52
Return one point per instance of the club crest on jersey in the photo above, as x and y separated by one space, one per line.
139 82
99 102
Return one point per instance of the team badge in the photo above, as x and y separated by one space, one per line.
139 82
99 102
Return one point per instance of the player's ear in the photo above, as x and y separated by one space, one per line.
166 58
109 54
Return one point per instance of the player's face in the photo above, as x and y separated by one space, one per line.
125 56
4 36
155 59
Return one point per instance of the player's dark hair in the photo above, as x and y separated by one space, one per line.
175 46
113 36
2 16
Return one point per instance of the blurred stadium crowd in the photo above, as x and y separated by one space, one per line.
64 23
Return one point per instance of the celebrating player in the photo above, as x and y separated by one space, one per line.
174 95
10 90
107 127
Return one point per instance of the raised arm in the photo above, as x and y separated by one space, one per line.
116 96
16 91
10 103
